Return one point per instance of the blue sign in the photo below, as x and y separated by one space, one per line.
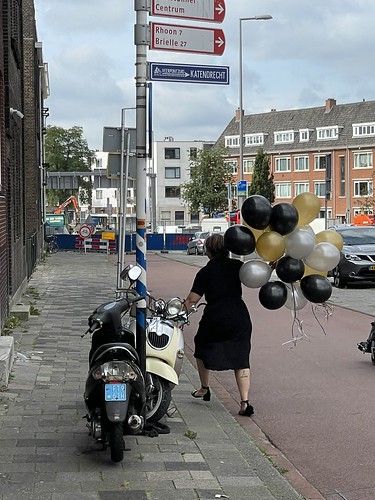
242 187
170 72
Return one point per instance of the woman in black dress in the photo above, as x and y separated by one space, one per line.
223 339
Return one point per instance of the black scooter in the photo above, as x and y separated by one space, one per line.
115 387
368 346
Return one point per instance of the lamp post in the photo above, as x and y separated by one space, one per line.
265 17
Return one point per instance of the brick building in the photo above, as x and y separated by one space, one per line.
22 92
326 150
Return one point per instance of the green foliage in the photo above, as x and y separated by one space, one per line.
10 323
207 189
66 150
262 181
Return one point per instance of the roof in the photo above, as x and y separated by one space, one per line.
341 115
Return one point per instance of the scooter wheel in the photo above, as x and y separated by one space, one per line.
116 442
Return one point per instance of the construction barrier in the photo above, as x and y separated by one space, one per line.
97 244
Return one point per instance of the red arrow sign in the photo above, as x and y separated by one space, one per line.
187 39
202 10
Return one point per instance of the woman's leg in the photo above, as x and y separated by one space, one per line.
204 376
243 383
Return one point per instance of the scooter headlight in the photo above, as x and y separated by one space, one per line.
174 307
115 370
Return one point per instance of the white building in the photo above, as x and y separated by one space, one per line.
171 164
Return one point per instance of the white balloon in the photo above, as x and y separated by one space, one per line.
255 273
324 257
299 244
295 299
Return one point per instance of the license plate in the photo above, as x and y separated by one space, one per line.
115 392
372 268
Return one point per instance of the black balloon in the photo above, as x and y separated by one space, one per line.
273 295
256 211
316 288
239 240
284 218
289 269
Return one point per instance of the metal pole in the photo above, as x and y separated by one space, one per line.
141 42
265 17
121 235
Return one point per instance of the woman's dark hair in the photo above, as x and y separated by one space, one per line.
215 246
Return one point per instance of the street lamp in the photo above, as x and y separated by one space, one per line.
265 17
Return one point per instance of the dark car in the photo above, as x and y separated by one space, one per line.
357 256
195 245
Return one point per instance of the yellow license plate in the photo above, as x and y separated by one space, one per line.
372 268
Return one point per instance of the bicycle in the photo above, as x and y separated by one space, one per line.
51 244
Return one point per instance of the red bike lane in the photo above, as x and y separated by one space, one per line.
311 401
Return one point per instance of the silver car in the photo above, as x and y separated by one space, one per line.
195 245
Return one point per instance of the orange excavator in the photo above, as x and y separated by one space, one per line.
74 201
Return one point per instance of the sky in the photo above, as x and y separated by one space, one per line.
309 51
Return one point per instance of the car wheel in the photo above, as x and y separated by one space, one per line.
196 251
338 280
187 251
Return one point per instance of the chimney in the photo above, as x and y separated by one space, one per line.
329 104
237 115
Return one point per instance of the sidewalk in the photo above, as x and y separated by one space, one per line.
45 450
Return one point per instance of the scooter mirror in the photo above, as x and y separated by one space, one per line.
134 273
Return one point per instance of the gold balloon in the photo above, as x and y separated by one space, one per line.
310 270
308 207
270 246
331 237
256 232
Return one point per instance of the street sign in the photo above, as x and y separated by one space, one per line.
187 39
114 166
85 231
242 188
171 72
112 139
204 10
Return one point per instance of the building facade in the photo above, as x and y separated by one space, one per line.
171 164
325 150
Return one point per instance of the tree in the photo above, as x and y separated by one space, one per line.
207 189
262 181
66 150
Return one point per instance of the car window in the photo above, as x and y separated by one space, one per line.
358 236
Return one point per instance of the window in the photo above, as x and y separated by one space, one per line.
301 187
179 216
172 191
301 163
283 190
326 133
254 139
282 164
363 160
99 194
233 166
286 136
172 172
363 129
363 188
320 162
232 141
172 153
304 135
165 215
320 189
248 166
193 153
342 175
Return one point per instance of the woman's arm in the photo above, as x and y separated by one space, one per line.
191 300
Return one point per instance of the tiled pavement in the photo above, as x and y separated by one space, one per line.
45 450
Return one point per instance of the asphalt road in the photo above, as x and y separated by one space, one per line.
313 400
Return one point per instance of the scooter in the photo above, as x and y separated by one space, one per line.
115 394
368 346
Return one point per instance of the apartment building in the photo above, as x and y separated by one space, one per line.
326 150
171 164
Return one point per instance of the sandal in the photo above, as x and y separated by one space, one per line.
206 396
249 410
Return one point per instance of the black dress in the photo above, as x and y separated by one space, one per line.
223 339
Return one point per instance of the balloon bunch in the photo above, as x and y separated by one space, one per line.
283 241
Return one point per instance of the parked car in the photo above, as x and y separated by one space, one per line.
195 245
357 256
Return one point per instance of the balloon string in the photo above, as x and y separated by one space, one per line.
328 311
297 323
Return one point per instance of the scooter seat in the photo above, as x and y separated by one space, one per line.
107 352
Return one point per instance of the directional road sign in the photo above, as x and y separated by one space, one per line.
187 39
242 188
203 10
197 73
